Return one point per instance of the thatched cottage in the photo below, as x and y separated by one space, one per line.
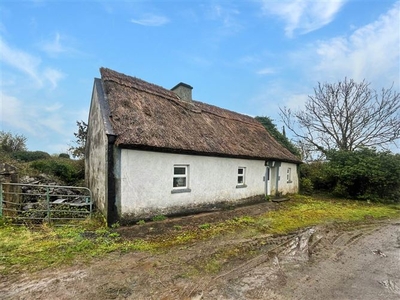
153 151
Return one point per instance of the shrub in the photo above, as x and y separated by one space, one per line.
28 156
306 186
365 174
70 171
317 173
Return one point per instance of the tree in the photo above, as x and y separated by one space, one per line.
78 151
280 137
10 143
346 116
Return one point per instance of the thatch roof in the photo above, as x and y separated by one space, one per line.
147 116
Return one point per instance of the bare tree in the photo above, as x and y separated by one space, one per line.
346 116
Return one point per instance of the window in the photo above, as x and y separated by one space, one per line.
289 175
180 179
241 177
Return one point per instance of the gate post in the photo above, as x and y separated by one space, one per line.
48 204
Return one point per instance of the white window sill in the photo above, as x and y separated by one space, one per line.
241 186
177 191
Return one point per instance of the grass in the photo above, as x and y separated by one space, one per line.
307 211
28 249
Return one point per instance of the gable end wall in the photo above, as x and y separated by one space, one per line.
96 166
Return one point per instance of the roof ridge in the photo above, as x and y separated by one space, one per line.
135 82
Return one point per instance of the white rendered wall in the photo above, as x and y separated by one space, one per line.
146 181
286 187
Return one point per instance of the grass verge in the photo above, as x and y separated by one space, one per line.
28 249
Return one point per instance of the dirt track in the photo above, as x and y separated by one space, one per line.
327 262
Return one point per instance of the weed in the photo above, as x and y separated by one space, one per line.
159 218
205 226
177 227
141 222
115 225
212 266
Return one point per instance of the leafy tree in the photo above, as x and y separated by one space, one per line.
10 143
280 137
346 116
78 151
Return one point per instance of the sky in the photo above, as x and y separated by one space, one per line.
252 57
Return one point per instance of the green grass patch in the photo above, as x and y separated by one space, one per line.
306 211
25 249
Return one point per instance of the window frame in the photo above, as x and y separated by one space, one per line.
289 175
240 174
180 189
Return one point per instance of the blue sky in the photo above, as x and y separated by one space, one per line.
247 56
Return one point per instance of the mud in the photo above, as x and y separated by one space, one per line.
322 262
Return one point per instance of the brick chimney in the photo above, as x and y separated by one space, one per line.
184 91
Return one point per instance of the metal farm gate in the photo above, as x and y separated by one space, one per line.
36 203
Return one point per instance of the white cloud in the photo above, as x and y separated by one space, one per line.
54 47
370 52
20 60
15 114
226 15
53 121
53 76
266 71
296 101
29 65
303 15
35 120
54 107
151 20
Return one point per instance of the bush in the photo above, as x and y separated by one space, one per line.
28 156
70 171
64 155
317 173
306 186
366 174
363 174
